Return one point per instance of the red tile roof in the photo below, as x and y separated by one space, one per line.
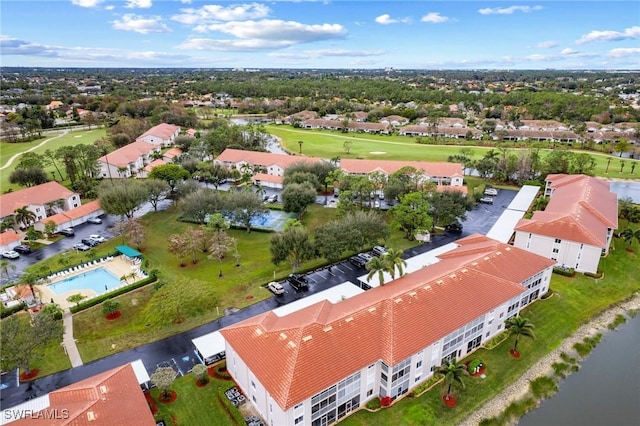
172 153
300 354
152 165
8 237
264 159
122 157
78 212
163 130
581 209
263 177
388 167
39 194
110 398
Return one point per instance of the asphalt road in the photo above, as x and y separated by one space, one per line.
178 350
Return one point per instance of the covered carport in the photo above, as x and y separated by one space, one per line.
210 347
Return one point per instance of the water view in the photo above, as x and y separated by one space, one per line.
606 390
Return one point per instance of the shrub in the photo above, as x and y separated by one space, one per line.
566 358
474 364
543 387
374 404
560 369
619 319
97 300
563 270
599 274
5 312
547 295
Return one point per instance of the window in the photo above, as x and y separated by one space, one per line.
38 209
419 364
370 392
298 420
501 314
253 385
558 241
555 250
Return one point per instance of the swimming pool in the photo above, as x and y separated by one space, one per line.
99 280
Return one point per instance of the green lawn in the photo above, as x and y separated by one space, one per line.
575 301
206 406
7 150
330 144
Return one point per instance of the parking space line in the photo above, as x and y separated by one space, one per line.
348 267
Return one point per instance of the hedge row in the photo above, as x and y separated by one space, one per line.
5 312
97 300
567 272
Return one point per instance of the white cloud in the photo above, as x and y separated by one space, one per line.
142 25
508 10
233 45
139 4
434 18
289 32
538 57
632 32
14 46
623 52
568 51
86 3
320 53
546 44
110 7
215 13
386 19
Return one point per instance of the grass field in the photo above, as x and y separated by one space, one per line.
330 144
53 142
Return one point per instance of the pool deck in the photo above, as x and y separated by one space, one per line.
118 266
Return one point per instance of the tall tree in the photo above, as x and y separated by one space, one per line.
170 173
22 340
163 378
157 191
296 197
519 326
293 245
453 373
220 243
28 177
5 267
377 265
122 196
24 216
243 207
448 206
331 241
412 214
395 261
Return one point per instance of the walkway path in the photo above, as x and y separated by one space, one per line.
68 341
13 157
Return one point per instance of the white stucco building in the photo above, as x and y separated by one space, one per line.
130 160
316 365
576 227
43 200
163 135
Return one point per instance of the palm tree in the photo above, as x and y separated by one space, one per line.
394 260
5 267
379 266
24 216
519 326
8 222
453 373
627 235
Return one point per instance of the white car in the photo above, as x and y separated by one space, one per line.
11 254
95 220
276 288
491 191
97 237
81 247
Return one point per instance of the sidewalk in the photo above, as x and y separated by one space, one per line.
68 341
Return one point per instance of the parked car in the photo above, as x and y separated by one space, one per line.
273 198
265 198
367 256
298 282
22 249
97 237
486 200
11 254
379 250
81 247
455 228
491 191
358 261
67 232
276 288
95 220
89 242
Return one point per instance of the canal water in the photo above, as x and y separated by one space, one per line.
606 390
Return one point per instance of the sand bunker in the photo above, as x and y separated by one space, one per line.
377 152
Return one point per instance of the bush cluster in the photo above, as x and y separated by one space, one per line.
567 272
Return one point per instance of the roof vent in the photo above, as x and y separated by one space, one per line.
372 309
427 287
498 253
307 338
412 293
327 329
486 258
103 389
349 319
464 270
398 300
91 416
283 336
439 282
291 344
507 248
474 264
453 276
259 332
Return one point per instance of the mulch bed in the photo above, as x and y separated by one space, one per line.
630 250
450 401
202 384
172 397
24 377
213 372
514 354
114 315
480 372
152 403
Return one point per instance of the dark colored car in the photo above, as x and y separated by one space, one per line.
22 249
358 261
89 242
298 282
454 228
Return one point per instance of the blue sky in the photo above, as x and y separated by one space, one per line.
321 34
